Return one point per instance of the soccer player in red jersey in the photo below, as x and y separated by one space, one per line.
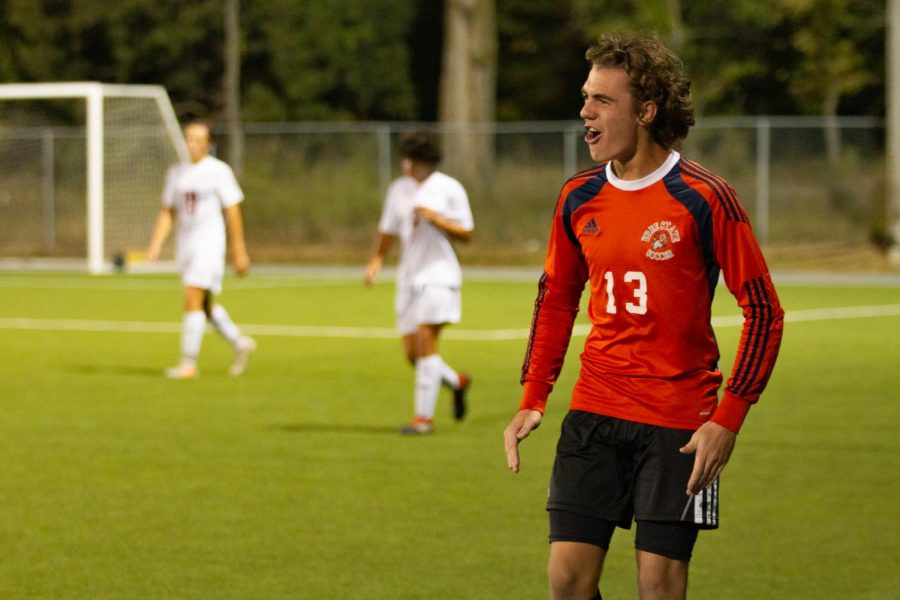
649 232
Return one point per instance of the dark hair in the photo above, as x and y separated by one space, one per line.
420 146
655 74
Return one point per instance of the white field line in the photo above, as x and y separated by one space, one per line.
817 314
274 277
153 285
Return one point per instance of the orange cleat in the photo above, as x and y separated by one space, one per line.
418 426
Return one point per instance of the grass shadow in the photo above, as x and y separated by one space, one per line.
94 369
349 428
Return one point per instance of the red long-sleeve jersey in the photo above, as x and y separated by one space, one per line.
652 251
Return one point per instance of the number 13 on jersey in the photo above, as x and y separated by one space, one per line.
634 282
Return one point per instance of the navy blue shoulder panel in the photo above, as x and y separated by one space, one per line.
700 210
589 188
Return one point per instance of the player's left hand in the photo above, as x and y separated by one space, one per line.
426 214
712 445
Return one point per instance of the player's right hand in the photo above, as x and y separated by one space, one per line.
711 446
241 263
372 270
518 429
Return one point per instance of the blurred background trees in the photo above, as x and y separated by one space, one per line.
363 60
371 68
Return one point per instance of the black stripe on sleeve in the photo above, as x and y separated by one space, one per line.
757 338
752 342
726 196
538 303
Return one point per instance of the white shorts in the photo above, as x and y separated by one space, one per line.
203 271
427 305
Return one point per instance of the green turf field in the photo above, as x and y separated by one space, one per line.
292 481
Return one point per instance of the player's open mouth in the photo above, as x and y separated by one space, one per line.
591 135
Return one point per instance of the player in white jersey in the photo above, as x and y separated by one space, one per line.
203 197
427 210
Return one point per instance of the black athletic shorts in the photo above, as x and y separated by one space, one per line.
619 471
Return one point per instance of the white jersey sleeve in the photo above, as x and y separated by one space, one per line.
227 186
446 196
397 205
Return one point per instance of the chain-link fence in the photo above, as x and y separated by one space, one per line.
814 188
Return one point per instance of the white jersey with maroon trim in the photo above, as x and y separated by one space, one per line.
199 192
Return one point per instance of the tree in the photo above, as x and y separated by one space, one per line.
171 43
357 59
341 59
893 133
541 53
231 86
468 87
424 40
826 34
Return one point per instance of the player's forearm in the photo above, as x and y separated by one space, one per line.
382 246
545 354
238 245
161 230
555 309
746 275
236 230
452 229
458 233
757 351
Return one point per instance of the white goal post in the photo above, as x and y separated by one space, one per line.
130 135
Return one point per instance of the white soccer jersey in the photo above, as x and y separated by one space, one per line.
199 192
426 254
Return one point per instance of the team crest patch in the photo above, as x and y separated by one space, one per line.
660 239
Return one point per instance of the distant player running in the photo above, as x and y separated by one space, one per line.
426 209
203 196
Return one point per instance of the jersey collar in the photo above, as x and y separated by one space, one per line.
630 185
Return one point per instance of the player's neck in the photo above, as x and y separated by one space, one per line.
645 160
421 172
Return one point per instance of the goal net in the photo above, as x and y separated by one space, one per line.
82 168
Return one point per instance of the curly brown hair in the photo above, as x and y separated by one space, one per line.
656 75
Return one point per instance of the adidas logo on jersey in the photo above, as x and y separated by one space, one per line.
590 228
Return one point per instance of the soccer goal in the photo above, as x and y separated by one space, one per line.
82 168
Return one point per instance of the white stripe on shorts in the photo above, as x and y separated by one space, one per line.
706 506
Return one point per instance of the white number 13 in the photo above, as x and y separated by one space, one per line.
638 282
